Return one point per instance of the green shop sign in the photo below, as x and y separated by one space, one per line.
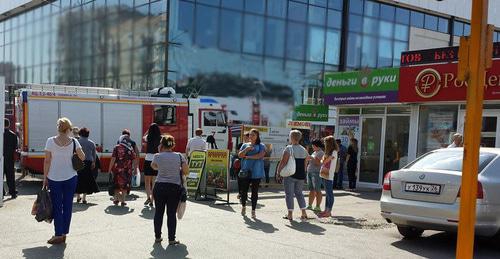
311 113
376 80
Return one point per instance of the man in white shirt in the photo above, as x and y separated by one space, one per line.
196 143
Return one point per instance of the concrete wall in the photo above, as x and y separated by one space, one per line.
426 39
458 8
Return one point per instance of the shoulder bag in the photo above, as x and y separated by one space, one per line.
289 168
111 185
181 208
75 160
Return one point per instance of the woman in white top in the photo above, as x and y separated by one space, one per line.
60 177
329 163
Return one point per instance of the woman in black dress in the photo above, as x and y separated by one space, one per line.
86 181
152 138
352 163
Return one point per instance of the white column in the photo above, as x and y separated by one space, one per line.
413 138
2 114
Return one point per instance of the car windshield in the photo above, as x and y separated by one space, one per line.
447 160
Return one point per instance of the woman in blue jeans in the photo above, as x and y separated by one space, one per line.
294 184
252 154
60 177
327 172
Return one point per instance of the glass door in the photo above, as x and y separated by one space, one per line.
371 138
397 133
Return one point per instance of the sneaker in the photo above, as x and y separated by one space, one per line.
309 207
147 201
317 209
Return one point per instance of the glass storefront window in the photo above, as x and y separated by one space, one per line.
387 12
354 50
443 25
355 23
397 133
334 19
230 30
386 29
335 4
431 22
401 32
437 124
295 40
417 19
253 37
356 6
369 52
275 37
276 8
370 25
332 52
372 9
373 110
398 48
402 16
255 6
297 11
233 4
348 111
317 15
316 47
398 110
384 53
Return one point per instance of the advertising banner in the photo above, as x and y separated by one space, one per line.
274 138
298 124
217 167
358 87
311 113
196 166
348 128
439 82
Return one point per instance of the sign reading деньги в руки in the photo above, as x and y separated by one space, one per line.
311 113
358 87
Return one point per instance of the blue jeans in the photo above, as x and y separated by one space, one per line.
329 194
61 194
293 188
338 180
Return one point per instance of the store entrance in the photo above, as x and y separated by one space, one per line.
370 153
490 136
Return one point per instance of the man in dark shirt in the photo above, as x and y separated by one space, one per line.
9 148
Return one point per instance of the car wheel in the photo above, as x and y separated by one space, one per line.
410 232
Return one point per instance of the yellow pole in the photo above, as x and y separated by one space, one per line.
472 133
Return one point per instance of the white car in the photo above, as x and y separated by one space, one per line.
425 195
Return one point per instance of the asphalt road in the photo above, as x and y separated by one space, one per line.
101 230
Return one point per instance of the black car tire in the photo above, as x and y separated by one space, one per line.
410 232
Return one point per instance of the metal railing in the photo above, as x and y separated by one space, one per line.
81 90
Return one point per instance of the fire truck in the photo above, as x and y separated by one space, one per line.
106 112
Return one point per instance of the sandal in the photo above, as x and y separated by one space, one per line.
123 204
158 240
286 217
243 211
84 201
115 202
78 200
56 240
253 214
147 201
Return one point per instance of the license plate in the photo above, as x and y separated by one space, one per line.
423 188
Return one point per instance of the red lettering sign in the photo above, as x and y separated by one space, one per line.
439 82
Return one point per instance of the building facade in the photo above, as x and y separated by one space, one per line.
253 51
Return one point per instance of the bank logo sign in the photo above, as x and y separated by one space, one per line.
358 87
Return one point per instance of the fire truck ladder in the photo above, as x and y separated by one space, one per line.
81 90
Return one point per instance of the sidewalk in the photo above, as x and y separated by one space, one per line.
209 230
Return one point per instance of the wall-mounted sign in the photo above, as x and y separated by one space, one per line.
298 124
311 113
439 83
437 55
358 87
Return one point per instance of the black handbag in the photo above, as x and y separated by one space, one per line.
111 185
245 174
183 189
75 160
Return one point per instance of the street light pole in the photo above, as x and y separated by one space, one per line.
475 58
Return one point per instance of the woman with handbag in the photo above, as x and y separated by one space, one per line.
294 176
327 172
168 188
86 181
122 167
252 169
62 154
